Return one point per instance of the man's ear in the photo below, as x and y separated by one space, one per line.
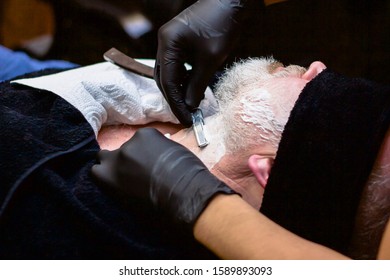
261 168
315 68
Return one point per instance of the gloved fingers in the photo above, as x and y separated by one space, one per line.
99 168
161 78
102 154
197 84
172 83
170 71
157 75
103 173
142 140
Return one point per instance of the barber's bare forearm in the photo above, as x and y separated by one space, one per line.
384 249
234 230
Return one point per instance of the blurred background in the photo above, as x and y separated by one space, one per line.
349 36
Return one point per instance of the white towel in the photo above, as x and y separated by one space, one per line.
107 94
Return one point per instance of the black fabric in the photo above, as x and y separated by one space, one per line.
325 156
50 207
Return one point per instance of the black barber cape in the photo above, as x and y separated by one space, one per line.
325 156
50 207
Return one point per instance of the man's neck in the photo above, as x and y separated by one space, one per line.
231 169
214 151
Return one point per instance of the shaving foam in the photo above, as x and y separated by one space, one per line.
256 110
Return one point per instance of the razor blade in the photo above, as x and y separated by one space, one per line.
198 127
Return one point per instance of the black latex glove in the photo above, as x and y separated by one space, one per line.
152 167
203 36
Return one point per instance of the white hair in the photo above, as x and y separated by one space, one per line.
250 113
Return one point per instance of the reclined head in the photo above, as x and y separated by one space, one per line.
256 97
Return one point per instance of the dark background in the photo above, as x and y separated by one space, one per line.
349 36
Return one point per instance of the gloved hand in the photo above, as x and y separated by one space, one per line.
202 35
152 167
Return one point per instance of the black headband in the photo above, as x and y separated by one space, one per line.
325 156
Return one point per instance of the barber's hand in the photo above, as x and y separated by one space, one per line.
202 35
152 167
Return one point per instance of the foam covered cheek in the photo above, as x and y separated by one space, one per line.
253 105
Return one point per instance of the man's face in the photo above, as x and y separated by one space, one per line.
256 98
